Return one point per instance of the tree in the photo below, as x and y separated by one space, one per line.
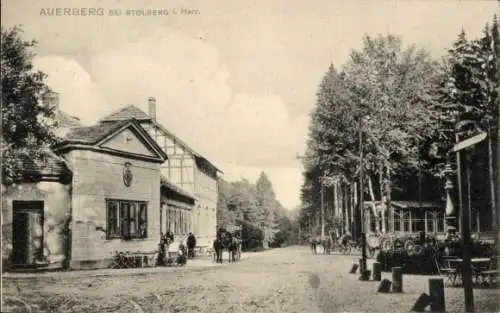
392 85
27 125
225 217
469 100
270 210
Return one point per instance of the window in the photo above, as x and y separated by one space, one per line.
430 221
397 220
440 221
406 221
126 219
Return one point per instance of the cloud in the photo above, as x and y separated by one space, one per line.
262 131
194 101
79 96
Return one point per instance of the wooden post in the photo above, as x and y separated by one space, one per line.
354 268
466 250
410 222
384 286
362 267
425 222
397 279
422 302
436 292
377 271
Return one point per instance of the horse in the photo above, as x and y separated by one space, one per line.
232 245
218 249
226 241
327 244
346 243
237 242
314 244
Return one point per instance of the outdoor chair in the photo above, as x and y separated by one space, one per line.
489 276
446 271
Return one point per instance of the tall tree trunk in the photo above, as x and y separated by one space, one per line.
354 214
349 205
383 199
335 199
387 204
341 199
496 41
491 179
345 197
372 202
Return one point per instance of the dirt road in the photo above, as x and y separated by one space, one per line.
280 280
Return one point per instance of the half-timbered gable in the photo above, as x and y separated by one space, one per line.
184 168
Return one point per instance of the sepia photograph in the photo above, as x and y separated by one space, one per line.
261 156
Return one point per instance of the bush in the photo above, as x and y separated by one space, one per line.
281 239
251 237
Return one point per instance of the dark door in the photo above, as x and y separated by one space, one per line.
27 232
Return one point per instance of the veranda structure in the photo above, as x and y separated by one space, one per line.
411 217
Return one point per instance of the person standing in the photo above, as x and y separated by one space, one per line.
191 244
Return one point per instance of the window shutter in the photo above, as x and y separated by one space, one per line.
113 227
143 220
125 219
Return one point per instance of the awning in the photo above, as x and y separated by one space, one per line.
416 205
165 183
408 205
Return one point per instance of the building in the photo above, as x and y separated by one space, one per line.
186 169
412 217
97 192
406 218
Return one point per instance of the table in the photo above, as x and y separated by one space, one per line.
479 267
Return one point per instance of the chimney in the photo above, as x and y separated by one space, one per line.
51 99
152 108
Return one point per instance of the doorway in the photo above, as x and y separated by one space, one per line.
27 232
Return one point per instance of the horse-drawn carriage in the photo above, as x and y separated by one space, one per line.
228 239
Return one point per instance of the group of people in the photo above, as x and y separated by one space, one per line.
186 248
330 241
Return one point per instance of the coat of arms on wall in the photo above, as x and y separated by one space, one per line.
127 174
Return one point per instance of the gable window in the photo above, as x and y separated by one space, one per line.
126 219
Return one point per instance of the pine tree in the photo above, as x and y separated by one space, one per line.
269 207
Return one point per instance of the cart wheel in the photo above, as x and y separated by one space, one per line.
410 247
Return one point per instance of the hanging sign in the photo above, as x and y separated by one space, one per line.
469 142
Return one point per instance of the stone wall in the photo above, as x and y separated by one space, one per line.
57 201
97 177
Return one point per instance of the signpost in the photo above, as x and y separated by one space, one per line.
361 204
465 226
469 142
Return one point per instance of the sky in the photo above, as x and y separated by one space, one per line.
234 79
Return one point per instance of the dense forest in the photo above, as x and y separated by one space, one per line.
404 110
265 223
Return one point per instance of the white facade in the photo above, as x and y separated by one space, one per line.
186 169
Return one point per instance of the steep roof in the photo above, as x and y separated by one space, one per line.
94 137
404 204
92 134
131 111
65 120
125 113
49 168
415 204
